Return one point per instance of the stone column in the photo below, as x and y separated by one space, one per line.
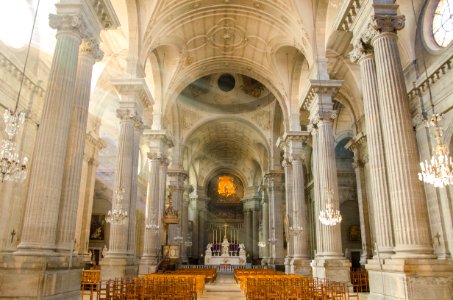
177 176
195 247
316 191
329 262
412 269
149 260
247 230
162 197
287 167
275 208
255 238
438 206
359 167
298 229
408 207
185 222
47 169
92 147
202 232
265 222
89 52
131 249
379 195
120 259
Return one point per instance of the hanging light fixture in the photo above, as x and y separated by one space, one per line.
330 216
117 214
12 166
439 170
261 244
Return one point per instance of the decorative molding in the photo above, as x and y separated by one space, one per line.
16 72
95 140
106 14
328 87
69 23
135 87
421 85
388 23
348 13
91 47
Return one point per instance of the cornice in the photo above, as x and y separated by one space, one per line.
136 87
315 87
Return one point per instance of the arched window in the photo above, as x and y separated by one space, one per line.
443 23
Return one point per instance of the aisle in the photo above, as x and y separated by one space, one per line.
224 288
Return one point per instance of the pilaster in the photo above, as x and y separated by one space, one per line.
275 184
356 146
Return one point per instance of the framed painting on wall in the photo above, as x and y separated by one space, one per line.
97 228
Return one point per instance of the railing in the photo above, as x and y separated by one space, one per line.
224 268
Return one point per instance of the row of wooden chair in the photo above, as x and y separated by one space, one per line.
199 279
239 273
90 280
293 287
360 281
148 287
210 274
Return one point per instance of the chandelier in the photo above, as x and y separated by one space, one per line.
330 216
261 244
117 214
296 230
12 166
439 170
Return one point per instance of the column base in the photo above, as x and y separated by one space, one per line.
289 265
38 277
332 269
147 265
302 266
114 267
411 279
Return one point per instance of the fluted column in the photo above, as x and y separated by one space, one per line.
327 172
355 145
265 222
411 228
162 196
151 243
89 52
43 200
202 233
317 194
185 221
92 147
287 167
255 238
196 251
247 230
379 195
118 243
177 177
275 209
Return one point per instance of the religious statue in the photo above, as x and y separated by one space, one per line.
104 251
241 249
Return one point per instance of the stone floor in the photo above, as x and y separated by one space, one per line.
224 288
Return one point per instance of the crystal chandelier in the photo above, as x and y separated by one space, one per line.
296 230
439 170
330 216
12 167
261 244
117 214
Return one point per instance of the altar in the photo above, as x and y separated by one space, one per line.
225 253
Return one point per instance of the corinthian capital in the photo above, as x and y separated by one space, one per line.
126 114
91 47
69 23
388 23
